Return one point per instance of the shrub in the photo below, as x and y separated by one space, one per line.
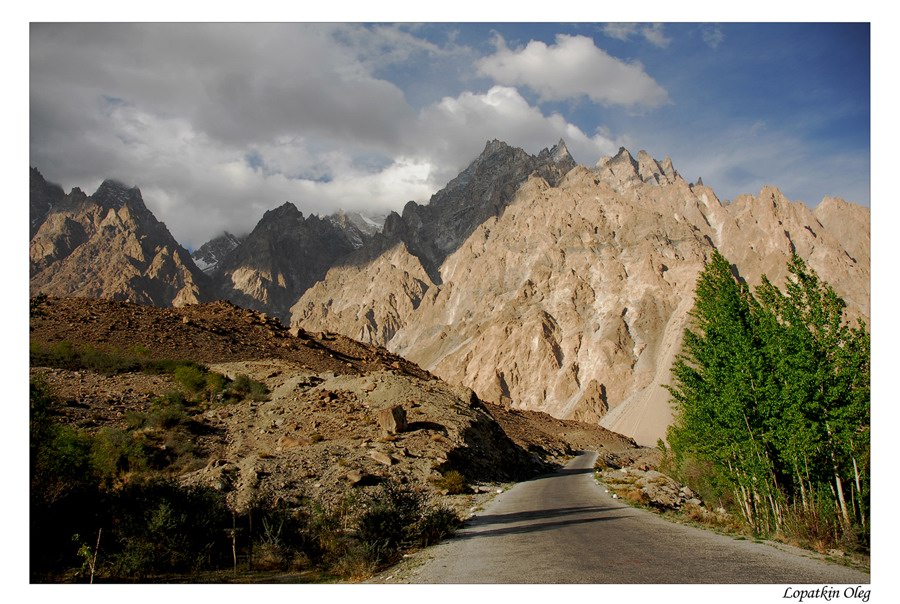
390 521
245 387
437 524
161 527
115 454
167 411
453 482
190 377
63 487
34 309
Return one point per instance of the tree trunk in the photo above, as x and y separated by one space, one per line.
862 512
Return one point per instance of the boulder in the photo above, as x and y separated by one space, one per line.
392 420
383 458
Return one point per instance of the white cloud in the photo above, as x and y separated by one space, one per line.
572 68
713 36
464 123
620 31
653 32
217 123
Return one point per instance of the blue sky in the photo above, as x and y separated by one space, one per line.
218 122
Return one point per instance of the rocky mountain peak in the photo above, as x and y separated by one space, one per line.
208 256
625 172
481 191
394 226
286 211
493 147
43 196
113 194
558 154
280 259
109 245
356 228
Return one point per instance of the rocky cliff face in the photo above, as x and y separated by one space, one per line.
43 196
357 229
572 299
208 256
280 259
392 274
434 231
107 245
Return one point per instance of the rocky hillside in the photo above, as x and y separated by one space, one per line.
107 245
571 297
325 426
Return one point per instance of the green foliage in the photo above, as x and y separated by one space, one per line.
772 398
190 377
116 454
160 527
389 521
196 381
437 524
245 387
62 484
396 517
168 411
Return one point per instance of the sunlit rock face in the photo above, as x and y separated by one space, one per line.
109 245
571 293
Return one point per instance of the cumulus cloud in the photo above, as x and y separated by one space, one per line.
217 123
463 124
571 68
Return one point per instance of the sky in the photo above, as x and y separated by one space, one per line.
218 122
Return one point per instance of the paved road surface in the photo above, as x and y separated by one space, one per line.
563 528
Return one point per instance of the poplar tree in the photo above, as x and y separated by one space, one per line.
772 390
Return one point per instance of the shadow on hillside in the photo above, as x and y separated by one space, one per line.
413 426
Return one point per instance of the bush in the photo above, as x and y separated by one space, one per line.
116 454
167 411
190 377
63 487
437 524
453 482
245 387
390 520
160 527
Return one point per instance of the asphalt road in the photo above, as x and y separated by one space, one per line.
563 528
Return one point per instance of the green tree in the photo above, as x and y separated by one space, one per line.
719 389
821 419
772 391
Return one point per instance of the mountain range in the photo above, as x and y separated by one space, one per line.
538 283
